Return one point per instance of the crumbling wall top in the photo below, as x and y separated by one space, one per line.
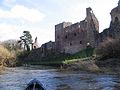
119 3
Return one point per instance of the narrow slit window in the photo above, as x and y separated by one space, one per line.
80 42
70 44
66 36
75 34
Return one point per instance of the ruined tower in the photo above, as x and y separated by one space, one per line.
92 27
115 13
113 32
115 22
72 38
35 44
59 35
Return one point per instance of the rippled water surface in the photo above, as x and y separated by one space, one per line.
53 79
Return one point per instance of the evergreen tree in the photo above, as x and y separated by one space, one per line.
27 40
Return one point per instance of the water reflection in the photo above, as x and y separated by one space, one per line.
52 79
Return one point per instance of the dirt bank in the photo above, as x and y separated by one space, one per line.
82 65
93 66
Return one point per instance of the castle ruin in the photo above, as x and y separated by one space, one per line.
114 29
71 38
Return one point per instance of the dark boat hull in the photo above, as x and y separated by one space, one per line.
34 85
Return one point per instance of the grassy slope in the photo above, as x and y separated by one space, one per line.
62 58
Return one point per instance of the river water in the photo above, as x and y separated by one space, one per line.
53 79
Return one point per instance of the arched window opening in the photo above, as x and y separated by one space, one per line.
35 47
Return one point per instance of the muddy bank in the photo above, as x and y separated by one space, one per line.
111 65
88 65
94 66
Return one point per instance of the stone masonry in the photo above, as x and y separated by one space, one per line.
71 38
114 30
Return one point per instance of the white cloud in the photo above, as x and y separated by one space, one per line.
44 34
75 11
9 31
6 28
9 1
102 11
12 31
22 12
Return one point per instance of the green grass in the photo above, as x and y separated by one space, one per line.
62 58
75 60
82 54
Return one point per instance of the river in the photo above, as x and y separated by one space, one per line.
53 79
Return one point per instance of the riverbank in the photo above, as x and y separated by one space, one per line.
84 60
90 65
2 69
111 65
85 64
56 59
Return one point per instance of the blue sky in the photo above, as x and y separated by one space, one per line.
40 16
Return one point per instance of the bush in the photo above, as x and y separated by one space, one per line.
6 57
22 55
109 49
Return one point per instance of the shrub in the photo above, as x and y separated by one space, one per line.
109 49
21 55
11 45
6 57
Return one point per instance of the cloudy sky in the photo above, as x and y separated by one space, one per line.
40 16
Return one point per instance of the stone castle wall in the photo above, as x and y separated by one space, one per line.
71 38
114 30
